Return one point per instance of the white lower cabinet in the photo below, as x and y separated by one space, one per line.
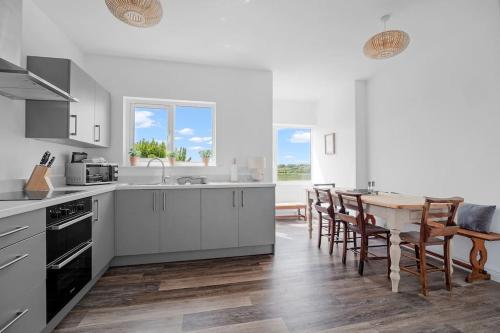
219 221
22 286
103 231
179 220
137 222
256 215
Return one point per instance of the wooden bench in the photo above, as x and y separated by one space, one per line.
478 254
289 206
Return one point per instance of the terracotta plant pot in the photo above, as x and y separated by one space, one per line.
171 161
134 160
205 160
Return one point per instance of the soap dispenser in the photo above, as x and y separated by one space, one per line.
234 171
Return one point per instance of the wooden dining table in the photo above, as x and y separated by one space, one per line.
394 209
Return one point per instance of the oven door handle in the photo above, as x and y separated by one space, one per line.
69 223
71 258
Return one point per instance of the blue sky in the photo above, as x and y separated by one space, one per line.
192 130
294 146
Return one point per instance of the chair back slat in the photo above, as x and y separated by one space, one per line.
438 217
345 200
324 202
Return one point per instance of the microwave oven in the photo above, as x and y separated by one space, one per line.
91 173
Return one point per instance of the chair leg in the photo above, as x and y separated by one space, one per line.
417 256
338 229
423 270
344 249
447 260
363 254
388 255
332 236
320 229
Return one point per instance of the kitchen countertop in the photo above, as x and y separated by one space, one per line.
9 208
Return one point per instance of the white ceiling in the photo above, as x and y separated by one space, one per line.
310 45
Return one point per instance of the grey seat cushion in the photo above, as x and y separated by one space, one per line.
476 217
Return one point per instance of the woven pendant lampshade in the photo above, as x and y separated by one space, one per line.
387 43
138 13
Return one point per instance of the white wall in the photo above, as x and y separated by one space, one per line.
433 111
336 113
295 113
39 36
243 97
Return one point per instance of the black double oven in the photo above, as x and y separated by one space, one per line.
69 252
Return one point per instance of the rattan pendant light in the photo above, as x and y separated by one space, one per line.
138 13
387 43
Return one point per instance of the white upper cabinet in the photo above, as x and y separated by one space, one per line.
85 123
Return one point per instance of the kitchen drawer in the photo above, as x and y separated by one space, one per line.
18 227
22 279
24 314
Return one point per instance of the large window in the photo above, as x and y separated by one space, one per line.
293 154
168 128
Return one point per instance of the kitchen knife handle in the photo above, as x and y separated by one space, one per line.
51 161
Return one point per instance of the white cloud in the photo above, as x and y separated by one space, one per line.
186 131
289 157
178 138
195 148
199 139
300 137
143 119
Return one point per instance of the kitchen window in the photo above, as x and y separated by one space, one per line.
165 128
293 154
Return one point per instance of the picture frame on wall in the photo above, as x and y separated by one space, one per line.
330 144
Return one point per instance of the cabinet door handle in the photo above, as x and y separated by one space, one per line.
16 318
154 201
234 198
98 128
75 117
242 199
164 200
13 261
96 205
16 229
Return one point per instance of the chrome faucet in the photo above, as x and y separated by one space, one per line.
163 178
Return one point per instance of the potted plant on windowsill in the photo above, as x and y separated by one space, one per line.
134 155
171 155
205 156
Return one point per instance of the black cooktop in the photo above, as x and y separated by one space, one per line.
32 195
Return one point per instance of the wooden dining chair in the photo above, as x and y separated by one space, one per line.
437 227
325 207
358 223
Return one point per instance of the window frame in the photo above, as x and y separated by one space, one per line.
170 106
276 128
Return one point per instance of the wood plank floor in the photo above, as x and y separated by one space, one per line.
300 289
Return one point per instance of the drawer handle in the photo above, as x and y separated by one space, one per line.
70 258
69 223
13 261
16 318
16 229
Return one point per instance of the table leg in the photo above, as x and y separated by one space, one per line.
395 227
309 214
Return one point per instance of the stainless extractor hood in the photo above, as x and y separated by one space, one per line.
18 83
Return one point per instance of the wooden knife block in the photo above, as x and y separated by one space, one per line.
39 181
